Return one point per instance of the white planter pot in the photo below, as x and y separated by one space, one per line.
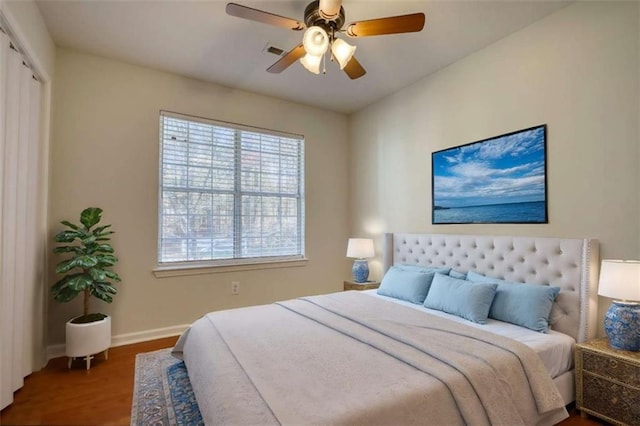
85 340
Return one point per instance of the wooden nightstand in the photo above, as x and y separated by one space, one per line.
352 285
608 382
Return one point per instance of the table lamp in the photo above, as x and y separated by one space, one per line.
360 249
620 280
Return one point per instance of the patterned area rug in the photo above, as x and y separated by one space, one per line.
162 393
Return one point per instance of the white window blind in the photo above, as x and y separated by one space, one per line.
229 193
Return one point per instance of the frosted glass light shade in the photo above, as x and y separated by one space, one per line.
311 63
315 41
360 248
620 279
342 51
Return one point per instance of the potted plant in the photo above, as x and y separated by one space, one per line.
86 272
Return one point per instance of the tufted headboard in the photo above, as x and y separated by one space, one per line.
571 264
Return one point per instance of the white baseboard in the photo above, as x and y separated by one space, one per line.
56 351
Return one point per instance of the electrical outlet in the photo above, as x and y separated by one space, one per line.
235 287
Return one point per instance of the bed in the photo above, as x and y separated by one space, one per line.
362 358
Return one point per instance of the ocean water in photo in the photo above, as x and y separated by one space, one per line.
530 212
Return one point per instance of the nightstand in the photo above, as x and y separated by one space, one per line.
608 382
368 285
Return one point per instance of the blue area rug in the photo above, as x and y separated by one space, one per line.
162 393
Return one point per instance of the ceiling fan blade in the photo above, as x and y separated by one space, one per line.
288 59
391 25
245 12
354 69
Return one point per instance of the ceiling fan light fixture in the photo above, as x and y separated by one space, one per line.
342 51
311 63
323 19
329 9
315 41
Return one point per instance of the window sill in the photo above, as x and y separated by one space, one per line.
200 269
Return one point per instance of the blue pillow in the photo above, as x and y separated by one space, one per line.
406 284
459 275
526 305
424 269
462 298
475 277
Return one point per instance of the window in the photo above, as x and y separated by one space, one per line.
229 194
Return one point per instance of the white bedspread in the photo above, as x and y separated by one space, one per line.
349 358
555 349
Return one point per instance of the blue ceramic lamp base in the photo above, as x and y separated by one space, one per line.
622 325
360 270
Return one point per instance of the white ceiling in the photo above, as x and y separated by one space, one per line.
197 39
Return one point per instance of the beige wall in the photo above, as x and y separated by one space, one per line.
105 154
576 70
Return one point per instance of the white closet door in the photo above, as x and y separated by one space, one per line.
34 260
20 251
13 290
6 299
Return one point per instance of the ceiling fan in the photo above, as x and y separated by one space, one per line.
323 20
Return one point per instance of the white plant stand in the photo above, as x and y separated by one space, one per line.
86 340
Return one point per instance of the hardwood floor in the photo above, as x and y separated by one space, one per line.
576 420
102 395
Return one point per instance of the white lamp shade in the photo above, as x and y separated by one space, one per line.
315 41
620 279
311 63
329 9
360 248
342 51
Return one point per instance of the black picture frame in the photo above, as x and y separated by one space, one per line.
502 179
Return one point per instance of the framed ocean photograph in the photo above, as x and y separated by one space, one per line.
502 179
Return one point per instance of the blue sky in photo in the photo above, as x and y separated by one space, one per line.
508 169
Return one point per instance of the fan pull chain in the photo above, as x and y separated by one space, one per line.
324 63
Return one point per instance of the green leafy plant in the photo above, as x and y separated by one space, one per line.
87 270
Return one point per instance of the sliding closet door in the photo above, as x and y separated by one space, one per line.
6 300
20 252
